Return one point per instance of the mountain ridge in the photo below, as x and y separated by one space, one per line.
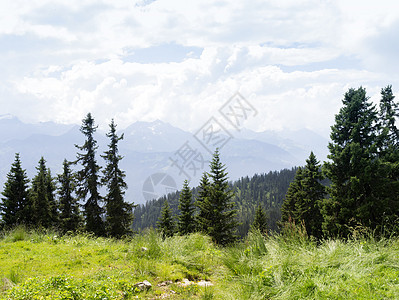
150 148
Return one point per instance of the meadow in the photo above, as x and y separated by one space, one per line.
45 265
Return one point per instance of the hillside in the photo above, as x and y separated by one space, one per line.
49 266
266 189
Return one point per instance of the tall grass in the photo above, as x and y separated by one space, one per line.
360 268
45 265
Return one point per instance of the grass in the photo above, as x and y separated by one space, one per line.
44 265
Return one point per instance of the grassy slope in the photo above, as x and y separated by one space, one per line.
45 266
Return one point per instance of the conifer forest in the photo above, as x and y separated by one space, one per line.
260 231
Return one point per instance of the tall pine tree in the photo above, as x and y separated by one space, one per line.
186 221
15 207
202 203
44 207
70 219
388 113
310 206
221 220
294 193
89 183
352 167
304 197
387 182
119 215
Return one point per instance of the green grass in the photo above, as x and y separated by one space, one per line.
44 265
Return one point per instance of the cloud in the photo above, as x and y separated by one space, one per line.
193 89
179 61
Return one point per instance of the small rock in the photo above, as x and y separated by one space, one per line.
145 285
185 282
204 283
165 283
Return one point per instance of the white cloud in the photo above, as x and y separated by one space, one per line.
292 59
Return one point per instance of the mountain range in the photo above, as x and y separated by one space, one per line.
158 156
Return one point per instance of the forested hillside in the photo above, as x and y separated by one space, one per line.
266 189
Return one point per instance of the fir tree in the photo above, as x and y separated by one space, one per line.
166 224
353 166
15 205
387 182
119 215
295 191
304 197
203 205
89 180
260 220
70 219
389 111
44 207
54 205
186 221
222 218
309 207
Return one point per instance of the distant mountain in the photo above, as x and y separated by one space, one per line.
12 128
154 136
149 149
297 142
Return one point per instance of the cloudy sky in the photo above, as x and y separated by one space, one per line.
180 61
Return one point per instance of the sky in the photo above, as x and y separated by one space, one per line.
180 61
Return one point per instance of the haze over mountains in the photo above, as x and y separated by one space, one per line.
149 149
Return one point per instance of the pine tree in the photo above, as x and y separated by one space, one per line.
166 224
389 111
222 220
203 205
260 220
352 167
295 191
70 219
304 197
186 221
15 205
54 205
119 215
386 183
89 180
309 206
42 197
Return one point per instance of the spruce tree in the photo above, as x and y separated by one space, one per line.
54 205
44 207
203 205
222 218
186 221
88 179
309 207
353 167
304 197
70 219
295 191
260 220
166 224
387 181
119 215
15 207
388 113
